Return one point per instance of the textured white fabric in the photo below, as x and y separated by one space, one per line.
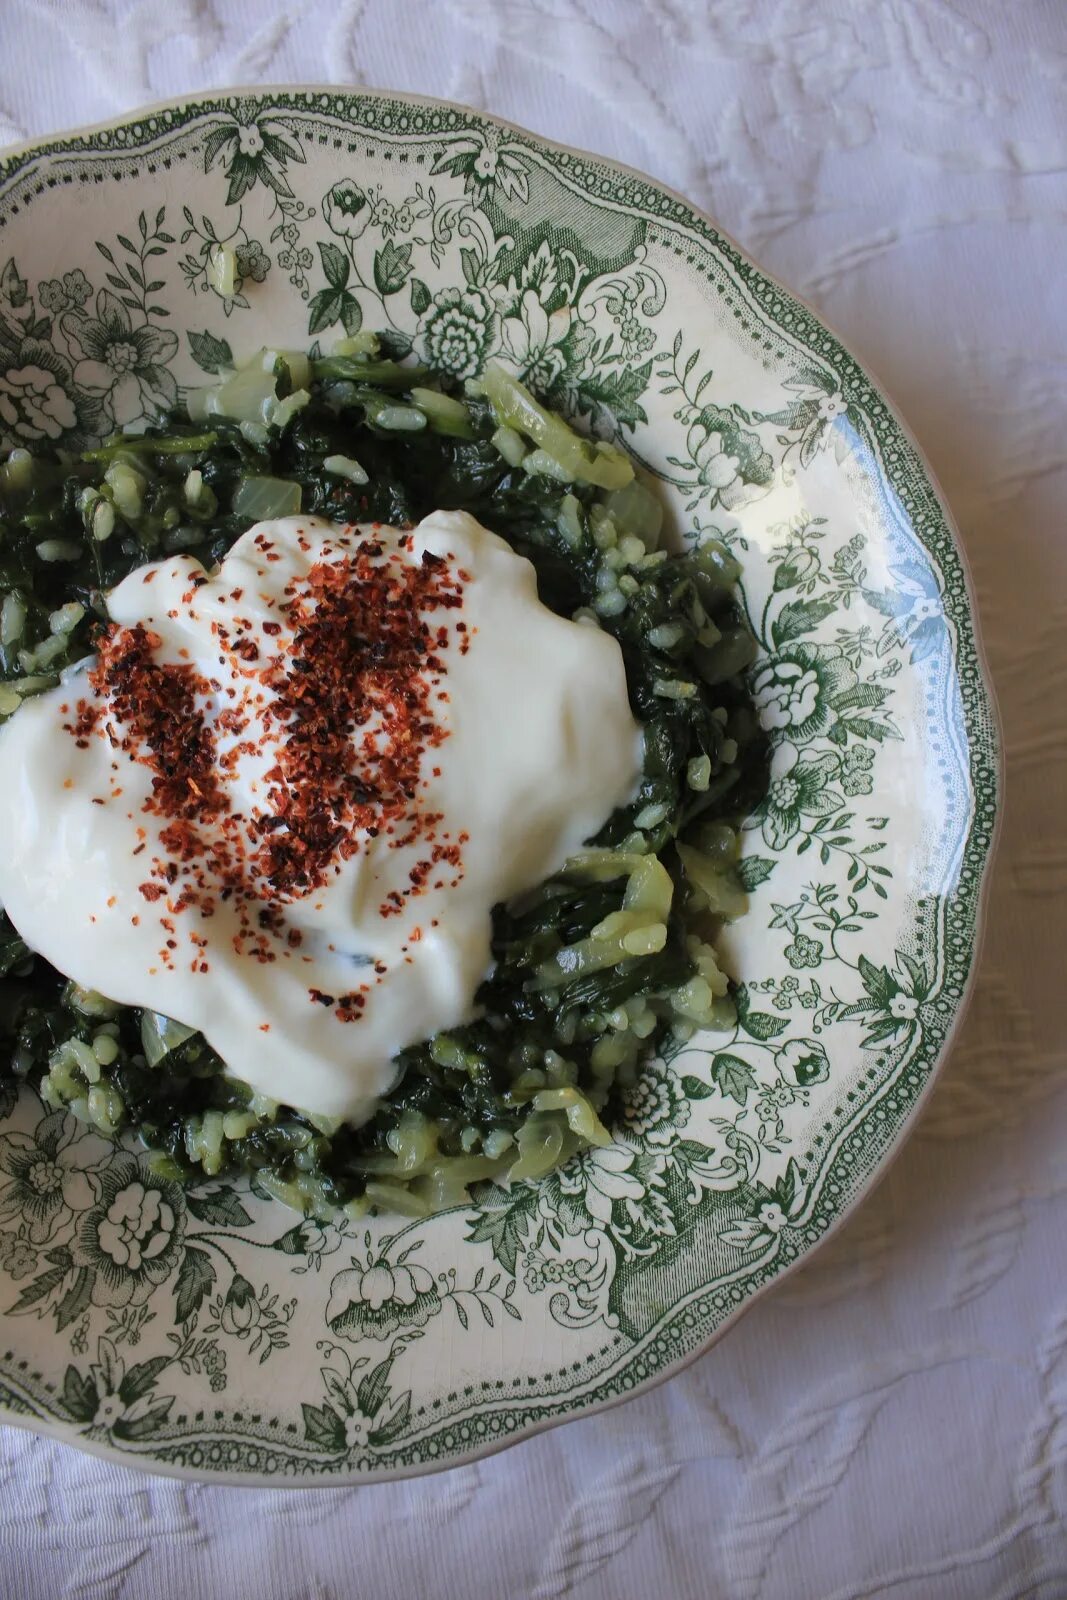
893 1420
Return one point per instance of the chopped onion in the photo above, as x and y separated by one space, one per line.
160 1035
580 1115
720 887
259 498
635 509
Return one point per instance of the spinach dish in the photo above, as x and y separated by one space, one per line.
605 962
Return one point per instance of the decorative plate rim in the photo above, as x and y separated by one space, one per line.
13 156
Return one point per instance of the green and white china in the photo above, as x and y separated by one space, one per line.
213 1334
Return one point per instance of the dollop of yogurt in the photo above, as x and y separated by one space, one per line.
281 803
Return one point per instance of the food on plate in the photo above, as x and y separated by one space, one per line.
372 775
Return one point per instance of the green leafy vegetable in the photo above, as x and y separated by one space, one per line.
599 966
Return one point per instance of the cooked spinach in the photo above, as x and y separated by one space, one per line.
359 437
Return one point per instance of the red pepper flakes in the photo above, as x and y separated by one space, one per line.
155 703
350 1006
349 720
358 661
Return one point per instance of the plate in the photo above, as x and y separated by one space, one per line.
209 1334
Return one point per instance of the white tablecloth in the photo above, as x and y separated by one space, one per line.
892 1421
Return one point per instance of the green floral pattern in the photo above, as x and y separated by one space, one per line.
139 1316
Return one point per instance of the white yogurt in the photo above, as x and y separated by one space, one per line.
536 747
